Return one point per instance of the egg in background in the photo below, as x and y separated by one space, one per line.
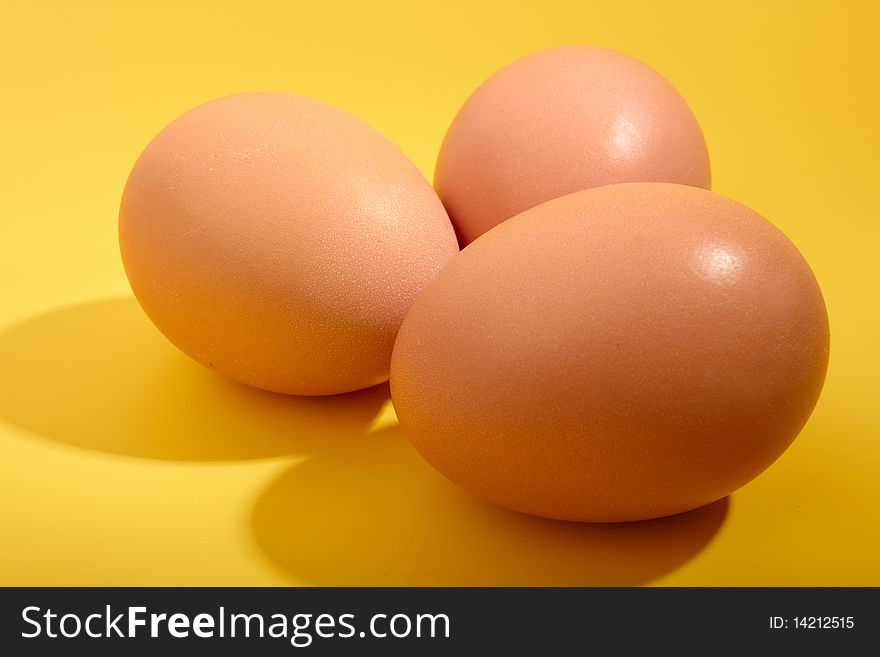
559 121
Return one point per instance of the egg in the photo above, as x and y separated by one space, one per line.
620 353
559 121
280 241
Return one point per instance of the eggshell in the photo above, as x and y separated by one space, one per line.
620 353
559 121
280 241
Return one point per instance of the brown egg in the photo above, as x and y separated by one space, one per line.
280 241
620 353
559 121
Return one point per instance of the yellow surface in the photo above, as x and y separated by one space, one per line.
121 462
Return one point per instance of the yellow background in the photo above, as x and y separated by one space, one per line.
121 462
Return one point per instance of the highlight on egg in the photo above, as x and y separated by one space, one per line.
559 121
280 241
621 353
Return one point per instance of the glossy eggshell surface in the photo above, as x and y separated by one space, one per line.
620 353
559 121
280 241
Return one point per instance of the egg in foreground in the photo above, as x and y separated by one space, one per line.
280 241
559 121
621 353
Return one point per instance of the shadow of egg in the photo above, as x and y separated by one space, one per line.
378 515
99 376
